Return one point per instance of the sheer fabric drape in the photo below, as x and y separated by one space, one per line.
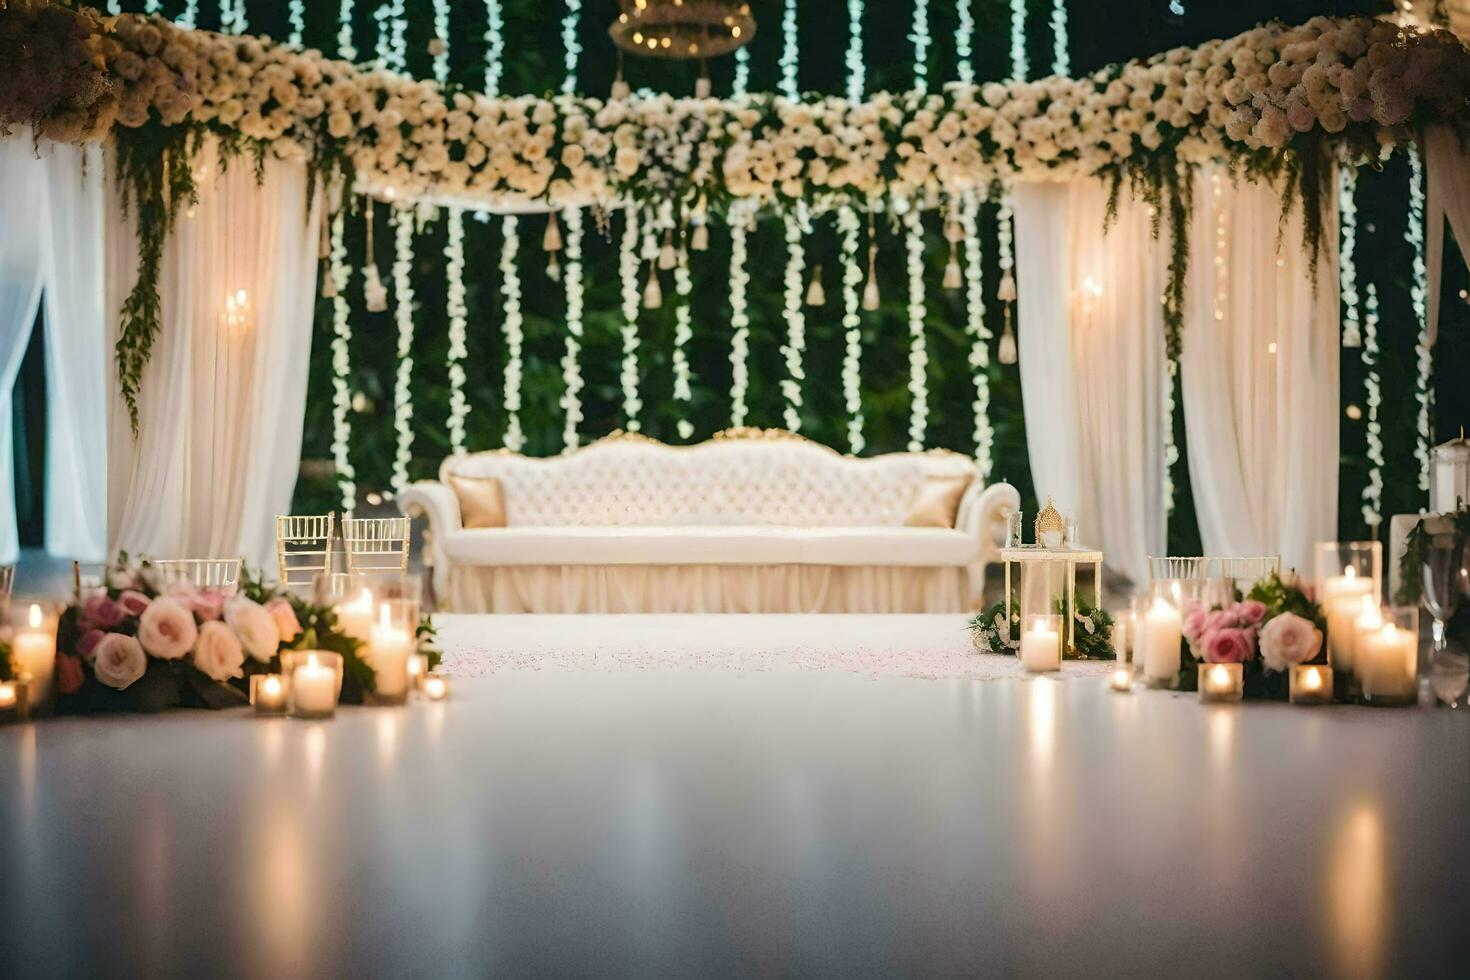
1447 174
222 401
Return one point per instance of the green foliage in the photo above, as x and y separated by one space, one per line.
1092 634
1416 554
1284 595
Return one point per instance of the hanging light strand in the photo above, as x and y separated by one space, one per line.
683 333
628 277
1019 64
1373 491
1347 269
849 226
963 43
1061 59
789 52
494 47
918 351
345 48
920 38
403 298
571 47
458 312
1418 296
793 351
571 367
739 317
341 274
856 71
511 327
979 333
742 72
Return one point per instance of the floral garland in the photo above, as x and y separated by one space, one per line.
628 274
1061 61
920 37
789 53
979 333
341 274
918 352
1418 294
494 47
510 289
1092 630
440 44
458 313
797 224
849 227
964 44
188 19
741 82
296 16
683 333
1019 65
571 371
403 303
853 60
572 48
345 48
739 319
1373 490
1347 270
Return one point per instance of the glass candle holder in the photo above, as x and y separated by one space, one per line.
1121 680
1015 530
1346 613
1162 634
1386 659
33 651
268 694
1221 683
291 659
1348 568
436 687
1311 684
1122 635
315 683
1041 642
390 645
15 702
353 598
1137 638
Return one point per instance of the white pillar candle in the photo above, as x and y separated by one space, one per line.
1041 645
33 648
314 689
1343 598
1121 623
355 618
1221 682
1387 664
1368 619
388 650
1163 633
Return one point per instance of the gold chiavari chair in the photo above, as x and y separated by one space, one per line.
1242 573
376 544
88 575
204 573
304 547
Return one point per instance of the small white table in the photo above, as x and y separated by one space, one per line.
1072 557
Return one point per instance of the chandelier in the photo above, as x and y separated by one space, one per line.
682 29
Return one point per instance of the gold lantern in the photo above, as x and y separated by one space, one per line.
1050 527
681 28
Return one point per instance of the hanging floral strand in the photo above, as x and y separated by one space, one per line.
345 48
188 19
1061 60
739 318
1347 210
571 47
742 72
510 290
920 38
494 47
849 226
341 274
454 300
1019 64
683 333
978 331
571 369
296 16
789 52
963 45
628 275
1006 290
856 79
1418 295
440 45
918 351
403 317
1373 491
797 224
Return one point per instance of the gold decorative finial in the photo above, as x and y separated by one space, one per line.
1048 520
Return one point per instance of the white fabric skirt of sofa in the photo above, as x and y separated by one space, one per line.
706 589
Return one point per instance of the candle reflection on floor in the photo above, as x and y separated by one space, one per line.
1357 892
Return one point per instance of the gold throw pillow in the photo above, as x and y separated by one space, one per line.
481 502
938 502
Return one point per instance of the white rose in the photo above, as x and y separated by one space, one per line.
166 629
119 660
217 653
255 627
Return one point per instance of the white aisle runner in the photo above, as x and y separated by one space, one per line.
874 645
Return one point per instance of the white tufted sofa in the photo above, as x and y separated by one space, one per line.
751 521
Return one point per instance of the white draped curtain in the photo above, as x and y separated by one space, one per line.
1091 349
1260 375
1447 173
222 400
51 259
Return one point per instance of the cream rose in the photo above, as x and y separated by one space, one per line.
166 629
255 626
118 660
217 653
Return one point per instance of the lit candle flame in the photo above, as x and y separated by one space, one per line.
35 616
1312 680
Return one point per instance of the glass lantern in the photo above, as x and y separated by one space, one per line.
1449 475
1041 642
1386 658
1160 632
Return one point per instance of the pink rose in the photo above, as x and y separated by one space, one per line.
1251 612
1289 639
119 660
1194 624
69 676
204 603
166 629
100 612
1228 646
217 653
286 622
87 645
1217 619
132 602
254 626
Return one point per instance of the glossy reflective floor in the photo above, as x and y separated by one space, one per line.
698 824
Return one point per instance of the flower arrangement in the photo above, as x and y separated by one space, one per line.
1092 633
56 78
1272 628
140 644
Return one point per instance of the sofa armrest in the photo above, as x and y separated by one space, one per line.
984 511
440 506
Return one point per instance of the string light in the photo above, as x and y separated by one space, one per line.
458 312
918 352
345 48
1061 60
683 333
571 369
1019 65
510 291
628 276
403 317
978 331
296 17
1347 270
341 274
1373 491
789 53
739 319
441 38
920 37
963 44
571 47
856 77
797 224
849 226
742 72
494 47
1418 295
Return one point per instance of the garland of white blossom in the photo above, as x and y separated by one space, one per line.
441 41
571 47
739 318
345 48
403 317
1005 235
399 16
742 72
963 44
510 289
797 224
152 6
1061 59
1176 7
856 71
571 369
918 352
189 19
1019 65
1347 269
628 275
789 53
494 47
238 23
920 37
458 313
383 45
1373 491
849 226
114 7
341 274
979 332
1418 295
683 333
1171 451
296 14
